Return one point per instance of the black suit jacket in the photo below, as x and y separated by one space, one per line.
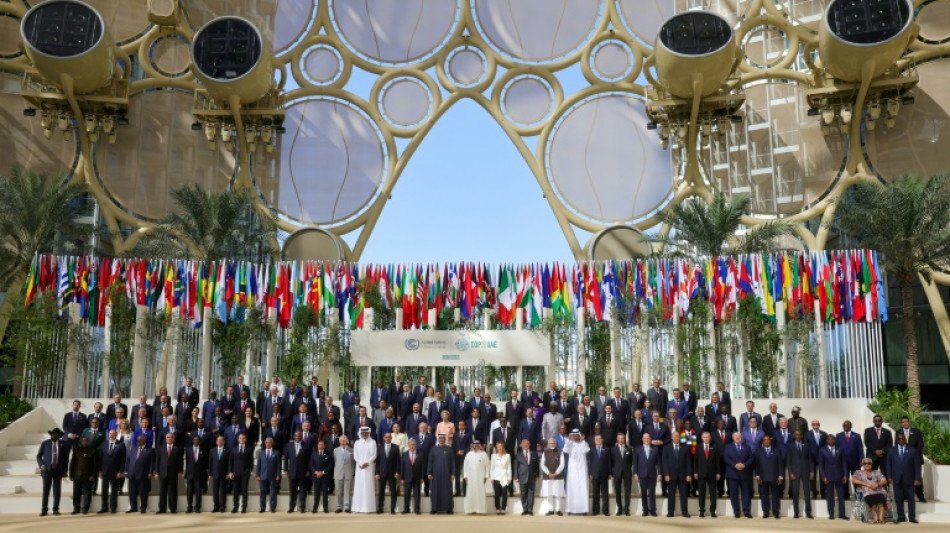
800 463
598 467
110 464
110 411
707 468
412 472
658 401
586 427
872 442
510 440
621 464
769 466
767 425
239 463
676 464
192 398
610 431
322 462
196 467
218 468
387 466
168 464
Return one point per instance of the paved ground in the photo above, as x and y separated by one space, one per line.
411 523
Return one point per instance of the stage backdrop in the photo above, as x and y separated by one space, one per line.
450 348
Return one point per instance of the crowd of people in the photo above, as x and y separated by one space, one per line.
413 440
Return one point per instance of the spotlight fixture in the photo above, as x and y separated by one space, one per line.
846 113
29 112
195 126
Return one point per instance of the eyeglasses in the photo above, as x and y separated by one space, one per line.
866 464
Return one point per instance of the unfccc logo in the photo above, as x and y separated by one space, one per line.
412 344
461 344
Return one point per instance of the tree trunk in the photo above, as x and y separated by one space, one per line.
910 341
6 310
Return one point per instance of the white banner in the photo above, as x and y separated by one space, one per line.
450 348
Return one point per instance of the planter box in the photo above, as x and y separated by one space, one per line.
940 474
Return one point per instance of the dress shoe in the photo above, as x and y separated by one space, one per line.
809 516
777 516
652 513
243 511
273 510
55 512
831 518
75 512
160 512
347 511
43 513
197 511
845 517
559 513
702 514
234 511
188 511
102 511
712 514
627 512
796 515
173 512
606 513
646 513
765 515
686 515
913 520
669 515
393 511
262 511
379 511
737 516
132 511
142 511
338 511
549 513
747 515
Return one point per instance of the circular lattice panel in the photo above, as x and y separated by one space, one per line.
331 163
605 164
395 31
537 30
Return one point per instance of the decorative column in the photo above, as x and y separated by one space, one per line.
636 358
614 352
782 348
366 372
550 371
169 374
581 354
207 352
137 387
714 370
333 380
674 379
822 365
105 389
71 377
271 349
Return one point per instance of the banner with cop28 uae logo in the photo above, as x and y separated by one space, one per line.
450 348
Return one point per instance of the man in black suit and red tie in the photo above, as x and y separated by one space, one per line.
138 470
769 476
296 459
635 399
877 441
387 473
677 472
111 467
240 465
598 468
412 469
196 473
621 470
168 468
707 468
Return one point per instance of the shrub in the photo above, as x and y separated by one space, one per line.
892 404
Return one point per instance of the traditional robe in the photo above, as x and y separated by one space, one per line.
475 470
552 487
441 467
364 501
577 495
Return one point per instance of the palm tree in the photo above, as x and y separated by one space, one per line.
908 222
38 214
210 227
711 229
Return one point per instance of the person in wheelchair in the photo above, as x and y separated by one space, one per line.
871 486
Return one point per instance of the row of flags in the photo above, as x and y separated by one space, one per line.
838 285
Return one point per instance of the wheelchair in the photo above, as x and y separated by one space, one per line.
861 512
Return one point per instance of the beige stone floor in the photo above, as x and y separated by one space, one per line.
457 523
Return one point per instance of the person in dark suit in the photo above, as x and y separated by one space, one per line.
139 466
478 426
73 424
228 401
420 391
582 422
621 470
749 414
636 426
769 476
244 402
877 441
658 397
691 398
387 473
134 414
321 467
411 472
530 429
52 458
240 386
724 397
296 457
489 411
853 449
610 425
111 467
701 422
514 412
507 435
903 473
816 441
168 468
403 403
660 438
196 473
526 475
267 474
218 469
721 437
646 459
635 400
834 474
190 392
115 406
276 432
771 419
707 471
378 393
461 444
739 464
424 443
677 472
240 464
800 464
598 469
915 440
528 395
714 407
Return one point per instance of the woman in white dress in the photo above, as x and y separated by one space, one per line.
500 476
577 493
475 471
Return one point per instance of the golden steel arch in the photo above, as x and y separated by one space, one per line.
508 61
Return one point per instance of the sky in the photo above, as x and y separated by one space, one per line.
467 194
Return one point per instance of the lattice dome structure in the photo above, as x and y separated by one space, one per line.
789 101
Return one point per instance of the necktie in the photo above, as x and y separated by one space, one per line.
111 447
739 447
297 452
799 446
598 452
169 451
706 450
902 451
55 454
676 449
608 420
646 451
412 458
768 452
268 455
196 453
219 453
139 454
241 449
527 457
387 449
878 432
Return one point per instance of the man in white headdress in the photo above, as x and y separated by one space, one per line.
577 495
364 452
552 484
475 472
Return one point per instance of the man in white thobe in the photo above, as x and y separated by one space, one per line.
475 472
364 452
552 484
577 495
